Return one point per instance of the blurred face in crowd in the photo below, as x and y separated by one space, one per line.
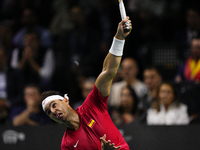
193 19
129 69
166 94
127 99
28 17
195 48
87 88
32 96
151 78
2 59
77 16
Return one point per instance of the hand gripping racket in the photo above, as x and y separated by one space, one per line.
123 15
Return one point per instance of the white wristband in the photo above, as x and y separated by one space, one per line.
117 47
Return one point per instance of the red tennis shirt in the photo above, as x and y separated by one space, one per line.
94 123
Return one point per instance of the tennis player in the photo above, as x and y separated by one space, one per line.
89 123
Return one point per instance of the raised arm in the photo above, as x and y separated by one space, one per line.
112 60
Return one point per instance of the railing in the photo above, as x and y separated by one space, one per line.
139 137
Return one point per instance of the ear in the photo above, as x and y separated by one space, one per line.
66 100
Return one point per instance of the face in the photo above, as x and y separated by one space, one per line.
126 98
151 78
58 110
195 48
193 19
77 15
129 69
28 17
32 96
166 94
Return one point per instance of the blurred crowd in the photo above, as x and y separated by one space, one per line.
61 44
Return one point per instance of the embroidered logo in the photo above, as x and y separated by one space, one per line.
91 123
44 102
76 144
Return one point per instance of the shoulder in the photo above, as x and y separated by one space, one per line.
118 85
152 111
140 84
182 107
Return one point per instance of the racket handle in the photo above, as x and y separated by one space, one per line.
123 15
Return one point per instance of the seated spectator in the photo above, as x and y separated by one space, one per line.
37 63
128 109
129 77
29 22
167 109
152 79
86 88
31 113
190 70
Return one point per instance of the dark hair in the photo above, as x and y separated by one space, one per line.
176 100
149 67
136 100
48 93
194 7
33 85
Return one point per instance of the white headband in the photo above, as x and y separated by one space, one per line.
51 98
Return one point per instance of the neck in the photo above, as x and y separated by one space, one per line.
73 122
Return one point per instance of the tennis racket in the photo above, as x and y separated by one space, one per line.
123 15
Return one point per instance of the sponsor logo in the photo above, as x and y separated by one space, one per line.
11 137
76 144
44 102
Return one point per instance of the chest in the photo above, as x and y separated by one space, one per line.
87 137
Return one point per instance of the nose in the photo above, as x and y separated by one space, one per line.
53 112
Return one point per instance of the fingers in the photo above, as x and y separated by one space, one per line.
106 145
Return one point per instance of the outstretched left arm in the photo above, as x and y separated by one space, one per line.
112 61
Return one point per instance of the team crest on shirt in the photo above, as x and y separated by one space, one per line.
91 123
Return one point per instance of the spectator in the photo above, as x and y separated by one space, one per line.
129 77
80 48
128 109
190 70
29 20
152 79
87 87
31 114
167 109
184 36
36 62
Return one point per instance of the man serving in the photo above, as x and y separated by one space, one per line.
90 124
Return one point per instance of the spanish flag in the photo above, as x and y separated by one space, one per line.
192 70
91 123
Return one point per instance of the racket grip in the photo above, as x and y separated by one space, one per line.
127 27
123 15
